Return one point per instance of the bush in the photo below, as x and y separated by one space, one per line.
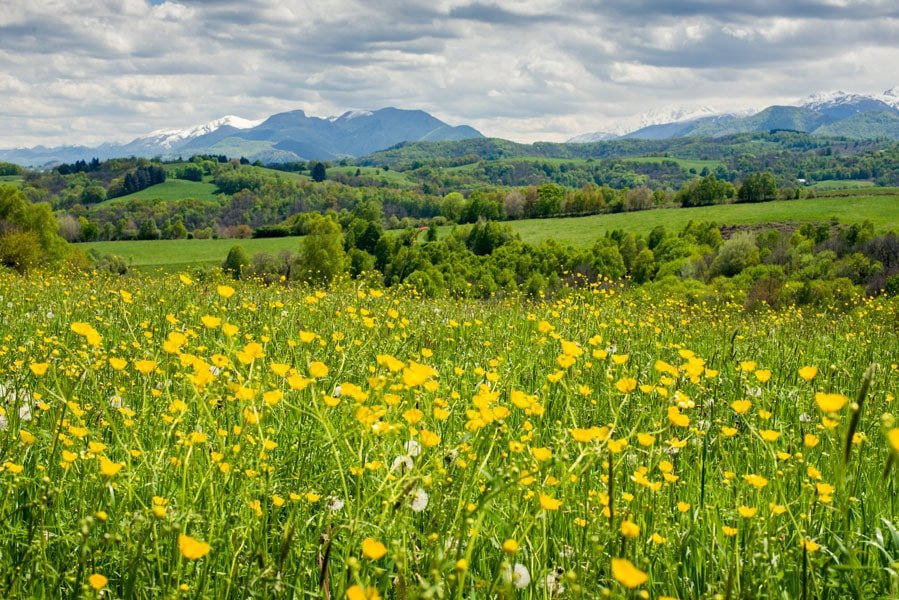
20 250
735 254
236 261
271 231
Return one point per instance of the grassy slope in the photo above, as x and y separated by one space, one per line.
174 254
11 180
842 184
390 176
685 163
172 189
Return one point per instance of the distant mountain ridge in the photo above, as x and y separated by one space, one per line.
283 137
858 116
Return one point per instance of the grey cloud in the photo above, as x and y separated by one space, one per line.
496 15
114 69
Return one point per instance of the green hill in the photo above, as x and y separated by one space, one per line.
171 189
869 126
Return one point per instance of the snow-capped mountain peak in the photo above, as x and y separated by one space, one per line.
668 114
820 100
167 138
825 100
891 97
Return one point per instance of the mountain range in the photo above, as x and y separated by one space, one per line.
858 116
284 137
295 136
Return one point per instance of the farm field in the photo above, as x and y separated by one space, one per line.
842 184
165 437
174 254
389 177
697 164
171 189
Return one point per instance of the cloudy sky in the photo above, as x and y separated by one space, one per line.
86 71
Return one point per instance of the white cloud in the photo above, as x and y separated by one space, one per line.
95 70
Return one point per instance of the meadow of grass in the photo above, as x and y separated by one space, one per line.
172 189
882 211
186 253
11 179
390 176
165 437
842 184
686 163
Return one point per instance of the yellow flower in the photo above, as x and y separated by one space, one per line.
373 549
676 418
318 369
192 548
763 375
225 291
273 397
769 435
109 468
629 529
185 279
683 507
748 366
590 434
627 574
118 363
741 406
549 503
39 368
747 512
757 481
211 322
26 437
830 403
416 374
429 439
97 581
729 531
810 440
809 545
279 369
644 439
729 431
626 384
825 491
510 546
145 366
808 373
542 454
893 436
357 592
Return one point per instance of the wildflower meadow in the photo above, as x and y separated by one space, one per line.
178 437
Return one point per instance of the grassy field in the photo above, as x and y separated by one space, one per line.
11 179
391 176
842 184
175 254
172 189
883 211
685 163
174 438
